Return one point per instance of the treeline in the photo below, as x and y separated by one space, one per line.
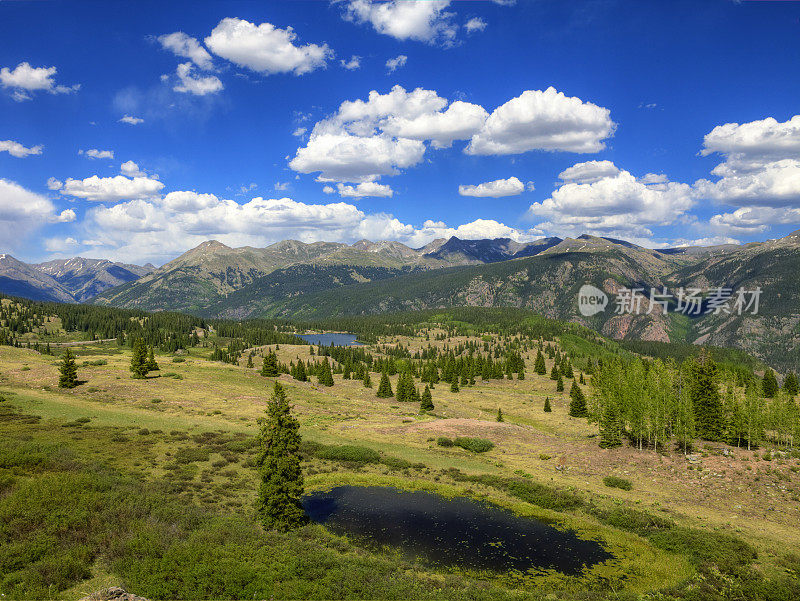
657 403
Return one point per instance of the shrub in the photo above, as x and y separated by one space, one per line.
349 453
617 482
632 520
476 445
443 441
178 359
191 454
526 490
396 463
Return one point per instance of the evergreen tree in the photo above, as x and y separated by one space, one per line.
577 404
790 385
325 376
547 407
426 401
270 367
559 384
385 387
278 464
706 401
250 360
554 373
300 373
139 359
151 360
500 415
68 371
611 426
454 386
539 367
520 376
770 384
367 380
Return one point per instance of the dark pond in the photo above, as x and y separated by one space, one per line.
451 532
335 339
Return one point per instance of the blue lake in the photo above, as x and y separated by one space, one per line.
451 532
331 338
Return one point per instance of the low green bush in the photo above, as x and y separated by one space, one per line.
476 445
443 441
617 482
191 454
349 453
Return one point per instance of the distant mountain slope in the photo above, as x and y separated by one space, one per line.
20 279
64 280
86 278
207 278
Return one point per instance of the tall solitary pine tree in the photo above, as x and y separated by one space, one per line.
68 371
139 367
278 464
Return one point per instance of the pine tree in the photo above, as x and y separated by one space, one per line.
790 385
704 393
139 359
539 367
521 375
68 371
454 386
547 407
270 367
367 380
385 387
250 360
611 426
559 384
499 415
325 376
577 404
770 384
426 401
300 371
151 360
554 373
278 463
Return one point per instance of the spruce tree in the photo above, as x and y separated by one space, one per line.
325 376
250 360
705 398
539 367
790 385
278 464
300 371
554 373
385 387
770 384
577 404
426 401
454 386
611 426
367 380
139 359
547 407
270 367
151 360
68 371
499 415
559 384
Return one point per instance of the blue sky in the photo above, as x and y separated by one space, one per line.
134 131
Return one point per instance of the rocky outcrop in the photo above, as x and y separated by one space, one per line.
115 593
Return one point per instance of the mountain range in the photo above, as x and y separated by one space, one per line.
73 280
292 279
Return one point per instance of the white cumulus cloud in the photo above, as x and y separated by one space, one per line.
23 211
352 64
111 189
588 172
393 64
199 85
365 189
475 24
15 149
24 79
94 153
427 21
494 189
544 120
185 46
131 120
265 48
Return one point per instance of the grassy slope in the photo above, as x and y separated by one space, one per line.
233 397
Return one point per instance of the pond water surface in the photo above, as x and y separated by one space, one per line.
331 338
451 532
